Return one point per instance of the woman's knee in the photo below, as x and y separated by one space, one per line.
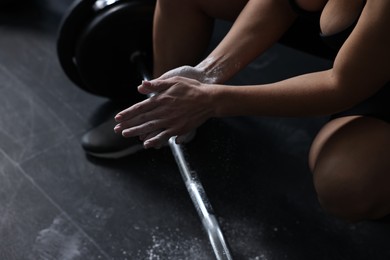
344 197
350 167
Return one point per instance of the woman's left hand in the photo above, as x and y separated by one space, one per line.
178 105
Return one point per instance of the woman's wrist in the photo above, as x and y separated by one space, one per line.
210 71
215 103
215 70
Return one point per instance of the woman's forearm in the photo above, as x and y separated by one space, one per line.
312 94
260 24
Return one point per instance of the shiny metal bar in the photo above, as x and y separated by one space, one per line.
201 203
194 186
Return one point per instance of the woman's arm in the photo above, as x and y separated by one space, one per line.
260 24
361 67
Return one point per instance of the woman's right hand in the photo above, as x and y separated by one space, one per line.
179 106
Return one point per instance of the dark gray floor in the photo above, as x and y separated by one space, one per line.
57 203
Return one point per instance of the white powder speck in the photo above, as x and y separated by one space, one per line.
172 245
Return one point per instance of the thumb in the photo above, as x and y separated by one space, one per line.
145 87
153 86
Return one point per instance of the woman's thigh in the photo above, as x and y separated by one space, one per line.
222 9
219 9
350 162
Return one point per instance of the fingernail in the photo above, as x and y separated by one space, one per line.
146 83
118 118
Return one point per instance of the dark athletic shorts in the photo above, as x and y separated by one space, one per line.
377 106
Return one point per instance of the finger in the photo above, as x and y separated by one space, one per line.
154 86
158 141
151 135
143 118
146 88
135 121
136 109
144 129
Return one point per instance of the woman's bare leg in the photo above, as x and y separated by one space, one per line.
183 28
351 166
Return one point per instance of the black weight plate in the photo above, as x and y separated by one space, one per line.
78 15
105 46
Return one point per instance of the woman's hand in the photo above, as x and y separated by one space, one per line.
201 72
185 71
178 106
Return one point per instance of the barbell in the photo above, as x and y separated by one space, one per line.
96 40
105 48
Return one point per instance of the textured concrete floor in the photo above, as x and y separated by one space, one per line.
57 203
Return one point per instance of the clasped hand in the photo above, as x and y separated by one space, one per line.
177 106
